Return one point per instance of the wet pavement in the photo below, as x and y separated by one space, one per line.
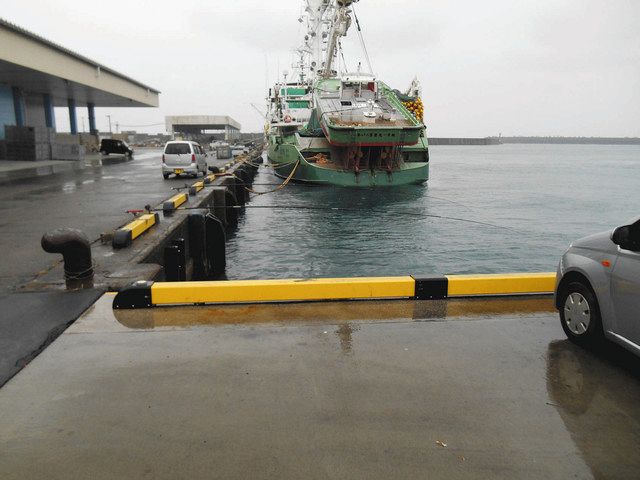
459 389
94 199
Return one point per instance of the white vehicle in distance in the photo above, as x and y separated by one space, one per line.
183 158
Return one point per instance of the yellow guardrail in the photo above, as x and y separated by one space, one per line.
196 187
174 202
501 284
123 237
147 294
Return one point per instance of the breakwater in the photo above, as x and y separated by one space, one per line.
465 141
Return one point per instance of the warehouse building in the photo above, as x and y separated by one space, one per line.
36 76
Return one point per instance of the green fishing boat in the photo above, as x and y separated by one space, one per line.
347 129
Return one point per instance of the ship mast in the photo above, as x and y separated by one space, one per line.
339 27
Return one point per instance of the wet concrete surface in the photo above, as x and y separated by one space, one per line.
31 321
94 200
465 389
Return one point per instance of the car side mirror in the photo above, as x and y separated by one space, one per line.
626 238
620 236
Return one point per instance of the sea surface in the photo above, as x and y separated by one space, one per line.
485 209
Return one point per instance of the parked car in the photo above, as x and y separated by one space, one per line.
598 287
109 145
183 158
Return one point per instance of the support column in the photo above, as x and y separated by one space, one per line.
49 113
92 119
73 123
18 106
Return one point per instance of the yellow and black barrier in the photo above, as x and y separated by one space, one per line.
123 237
169 206
149 294
195 188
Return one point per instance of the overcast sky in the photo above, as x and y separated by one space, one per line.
529 67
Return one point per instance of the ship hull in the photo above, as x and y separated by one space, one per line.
285 157
371 137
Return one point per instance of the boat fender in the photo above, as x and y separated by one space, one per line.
216 241
197 245
231 202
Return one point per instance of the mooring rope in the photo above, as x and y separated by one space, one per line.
279 187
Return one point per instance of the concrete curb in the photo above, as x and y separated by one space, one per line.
150 294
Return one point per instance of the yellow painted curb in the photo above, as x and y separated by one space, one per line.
281 290
501 284
174 202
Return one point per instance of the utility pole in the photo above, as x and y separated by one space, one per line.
117 127
109 117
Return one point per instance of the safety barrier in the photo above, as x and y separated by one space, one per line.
149 294
125 236
169 206
195 188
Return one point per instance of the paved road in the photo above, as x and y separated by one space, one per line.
470 389
94 200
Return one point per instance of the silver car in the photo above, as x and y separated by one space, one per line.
598 287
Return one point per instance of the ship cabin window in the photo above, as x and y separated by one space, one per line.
362 91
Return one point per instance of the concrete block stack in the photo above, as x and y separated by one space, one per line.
28 143
67 151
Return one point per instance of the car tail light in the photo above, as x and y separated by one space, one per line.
193 158
163 158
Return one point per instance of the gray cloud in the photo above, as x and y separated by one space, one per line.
566 67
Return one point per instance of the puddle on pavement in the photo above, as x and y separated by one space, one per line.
334 313
596 392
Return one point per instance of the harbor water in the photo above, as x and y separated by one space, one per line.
486 209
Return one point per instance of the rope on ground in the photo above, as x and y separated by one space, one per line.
279 187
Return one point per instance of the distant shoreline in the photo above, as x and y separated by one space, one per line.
536 140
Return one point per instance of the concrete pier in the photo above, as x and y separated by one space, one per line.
459 389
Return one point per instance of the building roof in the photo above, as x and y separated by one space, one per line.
17 29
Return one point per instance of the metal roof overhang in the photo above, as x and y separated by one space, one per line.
200 122
36 65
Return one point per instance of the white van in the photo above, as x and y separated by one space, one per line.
183 158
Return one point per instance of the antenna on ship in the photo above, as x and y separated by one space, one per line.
339 26
364 45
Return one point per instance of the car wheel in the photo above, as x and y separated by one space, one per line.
165 175
580 313
103 152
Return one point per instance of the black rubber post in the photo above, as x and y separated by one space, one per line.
231 213
198 245
431 288
76 253
218 203
137 295
216 245
239 190
247 179
175 261
168 208
122 239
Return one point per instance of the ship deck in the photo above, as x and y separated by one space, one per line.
353 115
